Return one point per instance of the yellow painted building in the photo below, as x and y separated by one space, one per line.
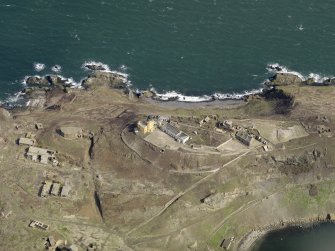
146 126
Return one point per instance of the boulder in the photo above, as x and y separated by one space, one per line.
55 80
281 79
314 82
110 79
95 67
37 81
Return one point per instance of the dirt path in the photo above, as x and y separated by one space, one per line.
178 196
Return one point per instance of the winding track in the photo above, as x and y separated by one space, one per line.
178 196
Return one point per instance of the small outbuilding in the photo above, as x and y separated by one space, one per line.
55 189
27 141
226 243
46 188
71 132
65 191
226 124
39 126
38 224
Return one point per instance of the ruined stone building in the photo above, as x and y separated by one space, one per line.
226 124
245 138
41 155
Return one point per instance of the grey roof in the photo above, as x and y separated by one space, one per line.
65 190
55 189
170 129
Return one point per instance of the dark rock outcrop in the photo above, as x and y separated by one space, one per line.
95 67
314 82
56 80
281 79
110 79
37 81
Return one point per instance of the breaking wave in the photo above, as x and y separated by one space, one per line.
39 67
56 68
272 68
176 96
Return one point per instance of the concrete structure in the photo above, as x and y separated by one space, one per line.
71 132
162 119
226 124
51 241
245 138
38 224
146 126
40 154
27 141
226 243
172 131
39 126
55 190
30 135
46 188
65 191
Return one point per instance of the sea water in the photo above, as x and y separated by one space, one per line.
190 47
316 238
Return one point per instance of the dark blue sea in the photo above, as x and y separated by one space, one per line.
193 47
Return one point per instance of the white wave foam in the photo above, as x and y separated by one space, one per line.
277 68
176 96
123 68
39 67
319 78
104 67
14 99
56 68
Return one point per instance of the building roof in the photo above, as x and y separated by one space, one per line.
26 141
65 190
170 129
46 188
55 188
183 136
39 126
40 151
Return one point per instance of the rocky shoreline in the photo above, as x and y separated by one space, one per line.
38 88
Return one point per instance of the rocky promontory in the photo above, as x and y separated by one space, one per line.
102 78
287 78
